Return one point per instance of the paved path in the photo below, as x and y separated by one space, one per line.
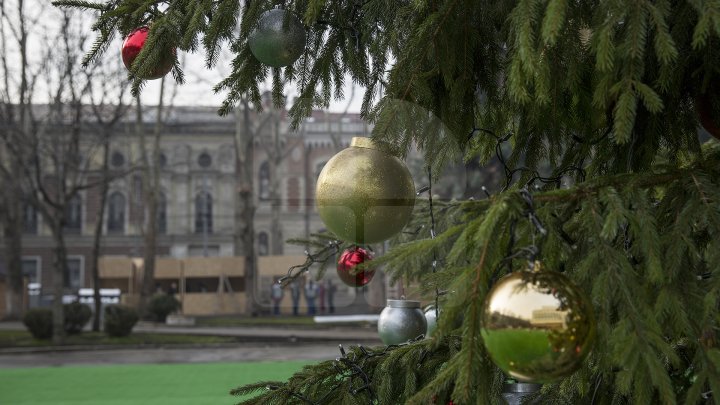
260 344
237 353
255 333
342 334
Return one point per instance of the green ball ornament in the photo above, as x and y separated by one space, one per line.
537 326
365 195
278 39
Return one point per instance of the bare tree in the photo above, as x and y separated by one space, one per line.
244 202
52 156
263 129
150 164
18 79
108 108
277 146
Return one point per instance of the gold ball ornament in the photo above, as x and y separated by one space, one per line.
364 194
537 326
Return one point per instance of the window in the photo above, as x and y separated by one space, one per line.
162 160
318 169
204 251
293 194
161 214
264 181
31 269
30 220
203 213
137 190
117 159
263 244
74 278
73 215
204 160
116 213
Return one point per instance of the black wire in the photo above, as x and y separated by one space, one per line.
510 172
595 391
432 236
321 256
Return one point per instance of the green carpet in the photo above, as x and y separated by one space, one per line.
177 384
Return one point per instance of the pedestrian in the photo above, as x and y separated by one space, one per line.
311 291
295 295
330 293
321 297
276 292
173 289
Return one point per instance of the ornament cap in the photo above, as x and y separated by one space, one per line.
522 387
363 142
403 304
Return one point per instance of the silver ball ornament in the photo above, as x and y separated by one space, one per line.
278 39
431 319
400 321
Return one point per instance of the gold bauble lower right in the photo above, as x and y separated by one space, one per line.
537 326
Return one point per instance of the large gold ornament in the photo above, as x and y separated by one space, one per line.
537 326
365 195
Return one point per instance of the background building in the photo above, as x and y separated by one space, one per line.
198 178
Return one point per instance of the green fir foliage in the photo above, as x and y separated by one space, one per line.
607 86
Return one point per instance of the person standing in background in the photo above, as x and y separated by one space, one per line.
311 291
330 292
321 297
295 295
276 293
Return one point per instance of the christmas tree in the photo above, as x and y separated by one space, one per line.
607 94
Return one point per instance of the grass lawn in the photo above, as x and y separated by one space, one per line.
176 384
12 338
519 346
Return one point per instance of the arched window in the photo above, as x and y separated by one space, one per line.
203 213
263 244
264 181
162 214
73 215
116 213
204 160
30 219
117 159
162 160
318 169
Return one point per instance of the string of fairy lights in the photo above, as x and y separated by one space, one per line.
351 366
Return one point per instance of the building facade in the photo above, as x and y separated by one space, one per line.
198 176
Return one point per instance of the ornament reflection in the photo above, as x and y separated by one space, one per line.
537 326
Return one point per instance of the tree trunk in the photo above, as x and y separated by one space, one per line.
60 274
13 225
245 204
276 238
150 248
104 186
151 183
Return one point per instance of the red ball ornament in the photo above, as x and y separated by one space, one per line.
348 260
133 45
709 118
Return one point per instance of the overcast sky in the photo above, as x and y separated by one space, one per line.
199 81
